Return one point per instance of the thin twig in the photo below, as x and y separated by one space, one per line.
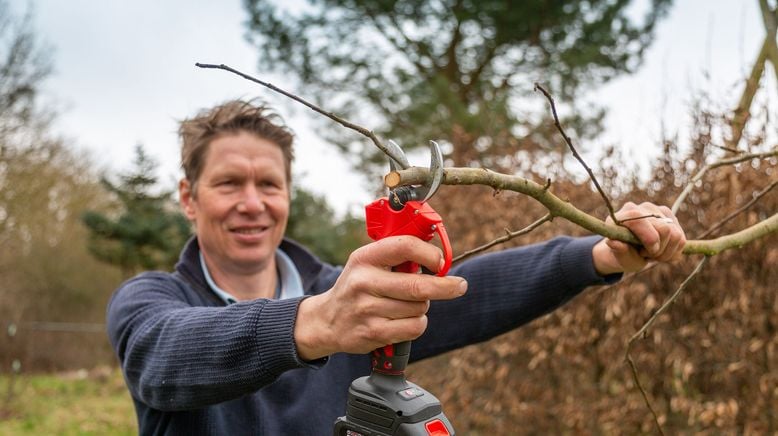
330 115
652 215
575 152
644 394
648 324
741 209
729 161
510 235
627 278
731 150
669 301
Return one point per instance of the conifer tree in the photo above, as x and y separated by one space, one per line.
147 231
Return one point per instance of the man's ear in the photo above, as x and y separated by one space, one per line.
186 197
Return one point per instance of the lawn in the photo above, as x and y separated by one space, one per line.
82 402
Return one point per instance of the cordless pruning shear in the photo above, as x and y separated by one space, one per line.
385 403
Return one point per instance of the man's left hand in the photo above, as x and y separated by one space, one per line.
656 227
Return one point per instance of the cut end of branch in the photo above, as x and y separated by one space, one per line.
392 180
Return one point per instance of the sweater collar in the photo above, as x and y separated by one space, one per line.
307 264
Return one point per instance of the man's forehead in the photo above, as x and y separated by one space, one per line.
237 156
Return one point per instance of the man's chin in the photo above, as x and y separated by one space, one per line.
257 259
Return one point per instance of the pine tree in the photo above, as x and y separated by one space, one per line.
147 232
458 71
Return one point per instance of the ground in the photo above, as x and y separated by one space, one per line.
84 402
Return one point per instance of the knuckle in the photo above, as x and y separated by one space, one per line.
371 332
366 307
356 282
666 211
356 256
664 231
416 290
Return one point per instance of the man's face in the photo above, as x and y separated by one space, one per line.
241 203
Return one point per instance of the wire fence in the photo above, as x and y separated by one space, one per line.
52 345
32 345
51 326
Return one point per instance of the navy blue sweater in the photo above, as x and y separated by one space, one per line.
195 366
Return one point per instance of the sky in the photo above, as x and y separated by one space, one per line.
124 74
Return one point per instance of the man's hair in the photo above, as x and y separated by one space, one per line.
229 118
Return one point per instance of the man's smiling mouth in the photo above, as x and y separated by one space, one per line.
249 231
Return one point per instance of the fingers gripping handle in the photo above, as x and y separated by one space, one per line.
415 219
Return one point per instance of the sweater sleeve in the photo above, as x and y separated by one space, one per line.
507 289
178 356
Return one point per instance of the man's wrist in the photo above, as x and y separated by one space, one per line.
307 335
605 263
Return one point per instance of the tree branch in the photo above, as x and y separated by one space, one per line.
728 161
743 110
509 235
556 207
330 115
561 208
575 152
648 324
756 197
770 19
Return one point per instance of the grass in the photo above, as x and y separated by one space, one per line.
75 403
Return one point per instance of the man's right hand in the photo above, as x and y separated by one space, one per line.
371 306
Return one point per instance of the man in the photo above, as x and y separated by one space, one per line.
254 335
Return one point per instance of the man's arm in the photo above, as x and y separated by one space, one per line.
371 306
516 286
508 289
177 356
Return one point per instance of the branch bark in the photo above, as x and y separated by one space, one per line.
561 208
569 143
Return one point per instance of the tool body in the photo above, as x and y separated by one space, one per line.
385 403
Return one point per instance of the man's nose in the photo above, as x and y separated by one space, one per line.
252 201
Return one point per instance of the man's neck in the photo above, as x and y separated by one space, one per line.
245 285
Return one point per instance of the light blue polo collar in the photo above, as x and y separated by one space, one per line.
289 284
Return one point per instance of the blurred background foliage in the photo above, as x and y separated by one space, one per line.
459 71
455 70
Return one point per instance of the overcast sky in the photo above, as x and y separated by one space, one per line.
124 73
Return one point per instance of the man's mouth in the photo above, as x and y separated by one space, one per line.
249 230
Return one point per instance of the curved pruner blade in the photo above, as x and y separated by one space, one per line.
397 159
436 171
